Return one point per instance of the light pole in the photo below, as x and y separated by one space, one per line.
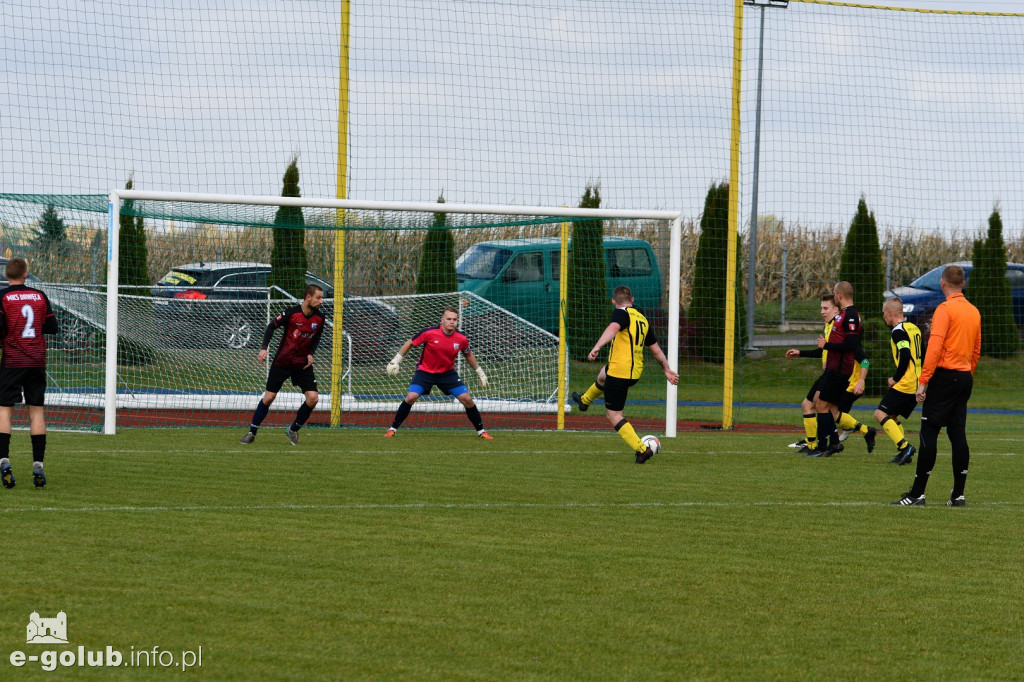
752 242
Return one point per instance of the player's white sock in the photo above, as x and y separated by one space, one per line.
4 462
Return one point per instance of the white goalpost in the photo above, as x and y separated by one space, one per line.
538 355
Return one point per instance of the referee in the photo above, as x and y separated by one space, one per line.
944 386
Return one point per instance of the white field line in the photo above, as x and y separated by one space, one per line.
568 506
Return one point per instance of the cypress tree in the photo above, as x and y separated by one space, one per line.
588 307
989 290
437 269
437 258
707 301
861 265
133 255
288 259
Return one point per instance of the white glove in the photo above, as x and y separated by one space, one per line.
393 365
481 376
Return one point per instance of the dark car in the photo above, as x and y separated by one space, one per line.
923 295
232 301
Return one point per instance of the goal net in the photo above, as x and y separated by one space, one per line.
199 280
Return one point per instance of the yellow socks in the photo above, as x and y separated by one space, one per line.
628 434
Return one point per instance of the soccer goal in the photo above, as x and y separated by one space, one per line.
189 291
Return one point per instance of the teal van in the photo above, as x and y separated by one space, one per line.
522 275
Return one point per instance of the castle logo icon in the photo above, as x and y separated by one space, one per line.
47 630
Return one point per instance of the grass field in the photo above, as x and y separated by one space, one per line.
436 556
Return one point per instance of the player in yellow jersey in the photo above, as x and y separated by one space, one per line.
901 399
629 333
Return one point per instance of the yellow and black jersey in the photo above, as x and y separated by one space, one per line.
906 353
826 333
626 357
855 374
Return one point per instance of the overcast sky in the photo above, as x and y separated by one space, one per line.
523 103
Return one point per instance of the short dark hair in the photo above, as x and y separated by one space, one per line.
622 294
953 274
17 268
450 309
311 289
831 298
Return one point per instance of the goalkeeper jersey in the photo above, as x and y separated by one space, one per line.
439 349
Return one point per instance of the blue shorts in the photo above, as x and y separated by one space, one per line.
449 382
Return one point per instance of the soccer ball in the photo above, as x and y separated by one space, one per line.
652 442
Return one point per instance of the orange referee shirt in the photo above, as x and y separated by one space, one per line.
955 341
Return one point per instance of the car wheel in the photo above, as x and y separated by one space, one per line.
237 331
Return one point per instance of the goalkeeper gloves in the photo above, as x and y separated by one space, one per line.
393 365
481 376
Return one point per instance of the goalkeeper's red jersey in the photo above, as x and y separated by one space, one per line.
439 349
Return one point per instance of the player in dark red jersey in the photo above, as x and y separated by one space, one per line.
842 346
436 367
303 326
25 316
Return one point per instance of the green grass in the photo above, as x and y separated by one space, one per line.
545 556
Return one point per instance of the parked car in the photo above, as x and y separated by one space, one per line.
229 301
923 295
522 275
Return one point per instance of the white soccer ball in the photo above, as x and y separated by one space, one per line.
653 443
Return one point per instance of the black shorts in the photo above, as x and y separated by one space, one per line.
15 379
946 398
815 387
303 378
833 387
845 404
898 403
615 392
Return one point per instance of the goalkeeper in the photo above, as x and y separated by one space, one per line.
436 367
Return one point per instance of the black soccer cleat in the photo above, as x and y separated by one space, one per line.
910 500
642 457
904 456
248 438
805 449
38 477
7 476
957 501
869 438
578 399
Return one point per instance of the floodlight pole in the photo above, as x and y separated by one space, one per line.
752 241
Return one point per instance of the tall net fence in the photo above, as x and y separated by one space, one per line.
915 113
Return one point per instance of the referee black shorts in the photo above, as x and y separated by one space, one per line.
615 392
945 400
15 379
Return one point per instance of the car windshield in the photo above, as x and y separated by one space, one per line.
482 262
930 280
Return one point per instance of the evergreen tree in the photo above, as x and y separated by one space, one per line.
707 301
133 255
861 265
587 306
288 259
989 290
52 238
437 258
